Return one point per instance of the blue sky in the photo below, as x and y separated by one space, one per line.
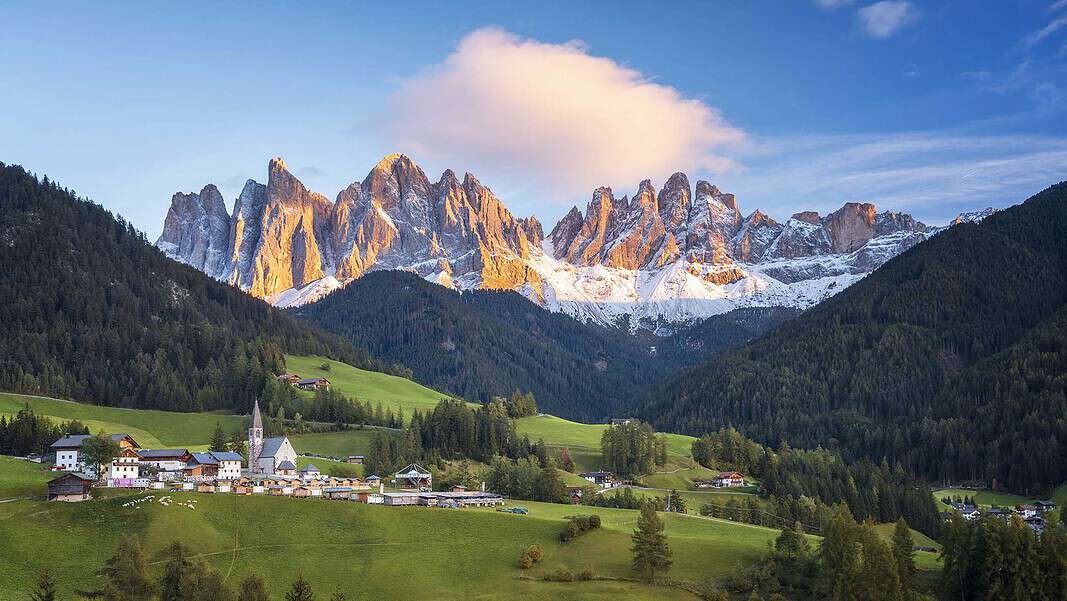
925 107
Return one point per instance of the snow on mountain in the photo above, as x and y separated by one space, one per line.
655 259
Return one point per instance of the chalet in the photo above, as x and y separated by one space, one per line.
414 476
622 421
357 459
1000 513
1044 506
373 480
729 480
274 453
206 487
122 471
216 465
1027 511
601 479
969 512
310 472
288 378
703 483
166 460
68 448
313 384
70 488
337 493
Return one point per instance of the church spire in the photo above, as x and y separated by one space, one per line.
257 419
255 439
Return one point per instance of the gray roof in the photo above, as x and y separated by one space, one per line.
271 446
227 456
205 459
157 453
70 442
312 380
310 468
286 465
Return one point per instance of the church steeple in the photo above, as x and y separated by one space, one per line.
255 439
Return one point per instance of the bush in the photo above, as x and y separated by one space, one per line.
594 521
535 552
525 561
570 532
563 575
325 367
586 574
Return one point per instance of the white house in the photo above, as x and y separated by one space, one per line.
276 452
229 464
123 471
67 450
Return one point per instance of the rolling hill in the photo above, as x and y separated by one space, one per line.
951 359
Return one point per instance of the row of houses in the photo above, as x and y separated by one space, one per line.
1032 514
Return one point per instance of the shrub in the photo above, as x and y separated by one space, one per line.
586 574
563 575
535 552
569 532
525 561
594 521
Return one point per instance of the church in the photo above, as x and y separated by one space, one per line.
268 456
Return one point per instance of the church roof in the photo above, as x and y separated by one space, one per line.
271 446
257 419
286 465
310 468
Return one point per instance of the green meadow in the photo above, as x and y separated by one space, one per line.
984 498
370 552
391 391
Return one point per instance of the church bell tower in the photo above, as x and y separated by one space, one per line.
255 439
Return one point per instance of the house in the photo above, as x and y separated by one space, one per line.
373 481
601 479
288 378
68 448
207 487
275 453
1000 513
229 464
313 384
458 488
166 460
1027 511
400 498
122 471
357 459
969 512
70 488
702 483
621 421
1044 506
310 472
414 476
729 480
1036 523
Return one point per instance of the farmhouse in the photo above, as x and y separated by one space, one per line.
68 449
288 378
71 488
313 384
166 460
357 459
217 465
729 480
414 476
969 512
310 472
123 471
602 479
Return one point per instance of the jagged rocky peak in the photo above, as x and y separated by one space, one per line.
197 229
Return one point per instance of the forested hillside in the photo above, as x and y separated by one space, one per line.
951 359
90 311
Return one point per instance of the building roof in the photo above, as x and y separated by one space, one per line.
162 453
78 475
413 470
118 437
205 459
312 380
310 468
271 446
286 465
372 477
257 419
227 456
73 441
596 475
730 475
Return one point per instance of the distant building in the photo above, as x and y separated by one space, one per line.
217 465
414 476
285 468
1044 506
619 421
277 457
166 460
357 459
123 471
602 479
68 449
729 480
313 384
289 378
969 512
70 488
310 472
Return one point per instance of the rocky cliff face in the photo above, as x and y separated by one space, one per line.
658 257
289 245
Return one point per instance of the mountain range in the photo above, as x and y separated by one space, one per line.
651 261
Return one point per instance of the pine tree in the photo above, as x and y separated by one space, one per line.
46 588
652 555
175 584
300 591
338 595
126 572
218 439
904 554
252 588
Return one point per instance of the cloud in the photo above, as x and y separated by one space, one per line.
1058 5
529 113
312 171
934 175
883 19
1036 37
835 4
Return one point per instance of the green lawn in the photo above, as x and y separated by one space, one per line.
369 552
150 428
391 391
560 432
336 444
984 498
20 478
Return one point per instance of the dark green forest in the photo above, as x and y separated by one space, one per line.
92 312
486 343
950 359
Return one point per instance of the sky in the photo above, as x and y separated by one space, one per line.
930 108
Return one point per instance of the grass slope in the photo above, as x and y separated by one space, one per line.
391 391
367 551
984 498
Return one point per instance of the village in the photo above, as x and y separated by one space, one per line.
270 470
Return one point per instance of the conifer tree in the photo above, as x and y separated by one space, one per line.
175 584
904 553
46 588
218 439
300 591
126 572
253 589
651 553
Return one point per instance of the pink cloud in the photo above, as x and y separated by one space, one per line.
527 112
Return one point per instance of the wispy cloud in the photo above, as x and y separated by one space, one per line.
934 175
834 4
554 115
1038 36
883 19
1058 5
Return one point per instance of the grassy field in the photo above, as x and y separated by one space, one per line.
391 391
335 444
984 498
561 432
367 551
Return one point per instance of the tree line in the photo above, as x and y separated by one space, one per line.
632 449
26 433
